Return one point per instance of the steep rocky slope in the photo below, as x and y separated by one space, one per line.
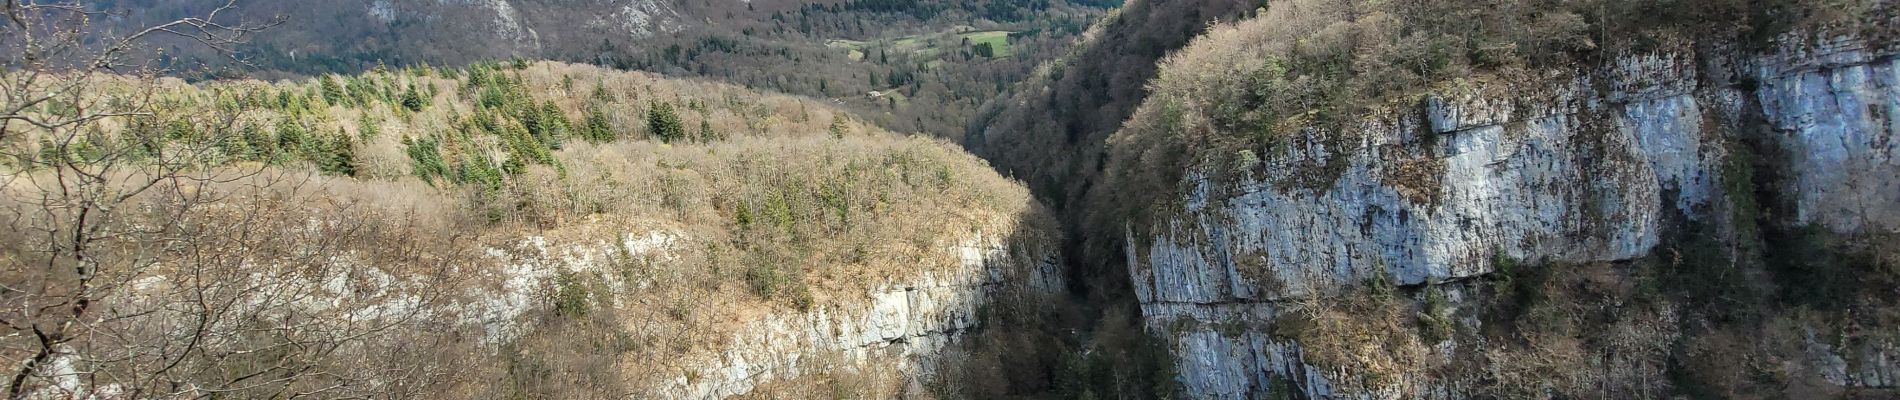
1611 168
1521 199
883 338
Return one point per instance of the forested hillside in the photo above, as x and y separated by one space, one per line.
521 230
929 61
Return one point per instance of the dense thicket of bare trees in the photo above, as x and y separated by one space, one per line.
134 266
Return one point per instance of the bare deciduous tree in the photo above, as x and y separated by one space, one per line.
55 75
133 265
52 50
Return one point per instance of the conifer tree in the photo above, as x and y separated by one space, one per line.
664 124
259 144
291 137
367 127
332 92
706 133
839 126
600 92
412 100
598 128
556 125
337 156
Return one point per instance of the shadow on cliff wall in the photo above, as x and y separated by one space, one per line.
1052 332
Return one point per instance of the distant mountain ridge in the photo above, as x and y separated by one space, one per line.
339 36
905 47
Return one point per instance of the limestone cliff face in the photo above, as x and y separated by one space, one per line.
1591 168
895 329
899 328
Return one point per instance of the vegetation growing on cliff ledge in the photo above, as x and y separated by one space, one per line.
1298 85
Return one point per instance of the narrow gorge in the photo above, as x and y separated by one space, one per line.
995 199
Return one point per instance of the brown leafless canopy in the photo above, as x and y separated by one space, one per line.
134 267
